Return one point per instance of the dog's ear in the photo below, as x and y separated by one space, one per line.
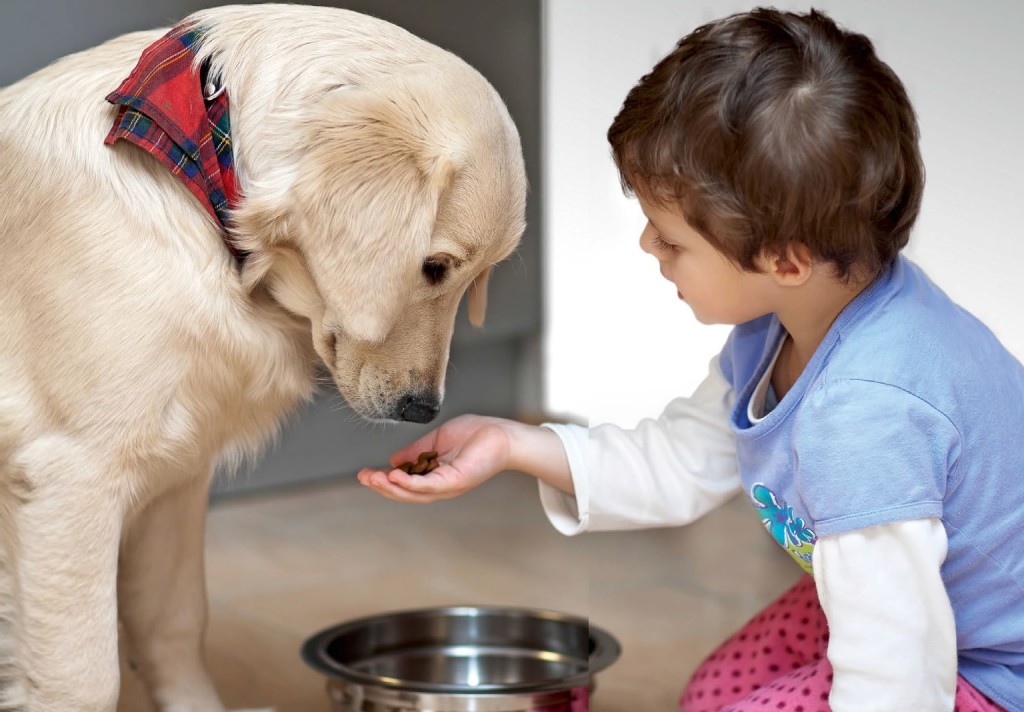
478 297
365 202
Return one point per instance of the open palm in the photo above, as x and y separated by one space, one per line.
470 450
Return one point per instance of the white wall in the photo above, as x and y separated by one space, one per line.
618 344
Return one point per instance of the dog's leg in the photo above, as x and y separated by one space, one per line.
162 598
67 524
12 685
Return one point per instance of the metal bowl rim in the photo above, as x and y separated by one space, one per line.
314 653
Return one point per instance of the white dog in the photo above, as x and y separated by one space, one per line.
378 179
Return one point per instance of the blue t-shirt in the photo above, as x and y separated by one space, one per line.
910 408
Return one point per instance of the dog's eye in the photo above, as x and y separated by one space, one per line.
435 267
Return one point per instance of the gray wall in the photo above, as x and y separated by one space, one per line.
492 370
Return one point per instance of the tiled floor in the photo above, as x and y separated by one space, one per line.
282 566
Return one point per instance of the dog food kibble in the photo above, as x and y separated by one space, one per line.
426 462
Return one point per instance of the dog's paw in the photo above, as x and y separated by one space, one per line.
261 709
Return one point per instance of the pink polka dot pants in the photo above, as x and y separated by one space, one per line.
777 662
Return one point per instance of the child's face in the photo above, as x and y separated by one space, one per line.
714 287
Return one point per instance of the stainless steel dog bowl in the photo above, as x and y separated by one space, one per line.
461 659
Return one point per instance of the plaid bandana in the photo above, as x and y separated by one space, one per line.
164 111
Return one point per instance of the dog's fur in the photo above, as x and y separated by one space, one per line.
136 357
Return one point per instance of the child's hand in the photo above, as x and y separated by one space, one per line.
470 450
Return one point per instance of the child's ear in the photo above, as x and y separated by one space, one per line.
791 267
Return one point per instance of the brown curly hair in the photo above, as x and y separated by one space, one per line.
767 128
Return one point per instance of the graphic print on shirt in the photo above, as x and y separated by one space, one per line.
785 527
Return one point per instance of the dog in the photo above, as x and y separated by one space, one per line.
373 180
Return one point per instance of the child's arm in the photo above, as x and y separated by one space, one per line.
470 450
667 471
892 635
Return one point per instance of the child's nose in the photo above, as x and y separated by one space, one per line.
646 241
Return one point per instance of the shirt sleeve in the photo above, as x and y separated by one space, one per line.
892 635
569 514
869 453
667 471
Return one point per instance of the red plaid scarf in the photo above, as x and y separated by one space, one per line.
164 111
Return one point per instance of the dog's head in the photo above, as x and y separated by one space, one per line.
403 197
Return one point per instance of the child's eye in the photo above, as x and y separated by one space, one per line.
660 244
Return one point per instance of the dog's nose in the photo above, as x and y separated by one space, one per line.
420 408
